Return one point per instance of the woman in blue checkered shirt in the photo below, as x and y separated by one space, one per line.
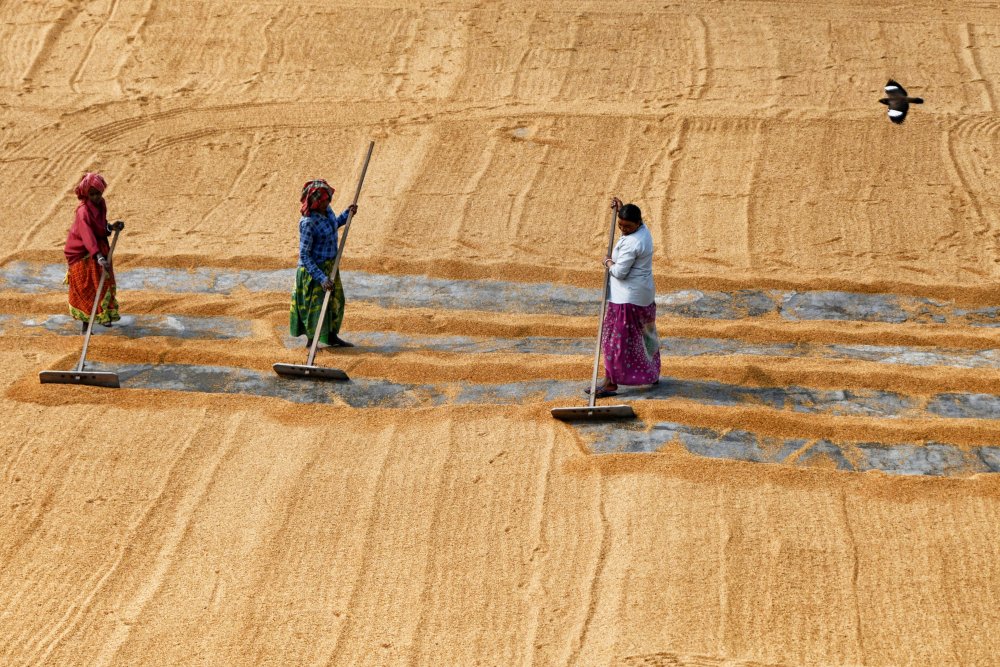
317 251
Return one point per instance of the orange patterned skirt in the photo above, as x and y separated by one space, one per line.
83 277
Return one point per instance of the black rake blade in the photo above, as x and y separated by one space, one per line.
596 413
309 372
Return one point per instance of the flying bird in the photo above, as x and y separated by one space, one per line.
898 102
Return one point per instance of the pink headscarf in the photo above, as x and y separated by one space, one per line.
88 235
91 180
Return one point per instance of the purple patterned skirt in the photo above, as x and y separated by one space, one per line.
630 344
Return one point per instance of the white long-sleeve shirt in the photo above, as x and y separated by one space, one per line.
632 271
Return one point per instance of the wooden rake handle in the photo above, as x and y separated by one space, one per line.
97 299
604 306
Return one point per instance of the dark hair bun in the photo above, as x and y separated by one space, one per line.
631 213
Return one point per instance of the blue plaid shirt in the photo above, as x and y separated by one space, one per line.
318 240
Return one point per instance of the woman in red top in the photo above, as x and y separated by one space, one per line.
87 252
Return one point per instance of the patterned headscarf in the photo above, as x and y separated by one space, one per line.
91 181
316 196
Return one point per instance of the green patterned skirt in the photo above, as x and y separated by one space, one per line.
307 300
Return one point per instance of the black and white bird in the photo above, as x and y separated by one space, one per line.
898 102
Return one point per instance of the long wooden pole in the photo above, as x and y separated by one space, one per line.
97 299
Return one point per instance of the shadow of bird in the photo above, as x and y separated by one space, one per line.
898 102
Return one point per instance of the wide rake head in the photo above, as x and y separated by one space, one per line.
595 413
91 378
309 372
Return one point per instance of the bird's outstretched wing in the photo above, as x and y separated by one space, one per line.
897 116
892 88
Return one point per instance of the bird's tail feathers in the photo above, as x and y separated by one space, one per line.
915 100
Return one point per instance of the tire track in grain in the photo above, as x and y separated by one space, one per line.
220 117
573 47
963 174
13 544
725 537
367 551
970 165
732 545
273 51
133 40
52 35
88 50
181 517
396 224
534 592
515 214
457 225
971 59
73 617
617 173
125 38
246 160
11 462
420 633
107 133
701 57
597 576
178 139
400 68
383 446
55 143
859 638
46 216
669 182
655 192
716 244
981 127
452 67
10 639
74 613
31 434
670 659
526 52
755 236
144 17
16 48
282 547
77 609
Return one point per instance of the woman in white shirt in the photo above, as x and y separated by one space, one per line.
630 343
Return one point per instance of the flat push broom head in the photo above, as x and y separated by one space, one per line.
310 372
594 413
90 378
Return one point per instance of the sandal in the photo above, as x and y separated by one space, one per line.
337 341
